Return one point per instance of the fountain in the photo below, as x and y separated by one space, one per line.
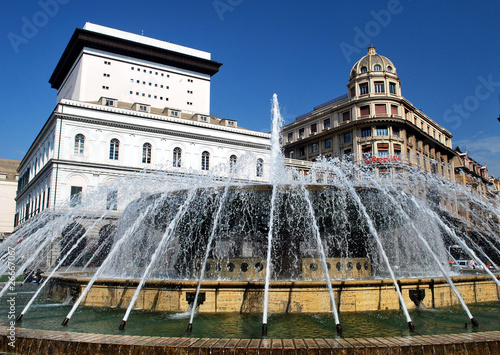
343 239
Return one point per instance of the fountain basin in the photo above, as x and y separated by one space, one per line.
285 296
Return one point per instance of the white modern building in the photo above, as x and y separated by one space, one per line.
126 102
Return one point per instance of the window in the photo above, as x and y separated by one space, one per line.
377 67
109 102
383 150
326 123
174 113
79 144
112 200
394 110
114 146
392 88
389 69
396 132
382 131
353 91
259 168
328 143
232 162
379 87
177 157
314 147
75 196
314 128
205 160
363 89
301 133
302 151
146 153
364 70
347 137
397 150
366 150
346 116
380 109
366 132
364 110
105 75
290 137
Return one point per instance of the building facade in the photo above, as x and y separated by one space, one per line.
127 103
373 124
8 187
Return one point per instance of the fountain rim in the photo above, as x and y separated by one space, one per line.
67 341
74 277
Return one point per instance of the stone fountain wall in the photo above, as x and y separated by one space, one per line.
286 296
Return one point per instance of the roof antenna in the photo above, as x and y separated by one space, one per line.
142 32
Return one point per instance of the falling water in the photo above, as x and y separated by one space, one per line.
460 241
207 253
164 241
446 275
113 251
323 259
374 233
61 262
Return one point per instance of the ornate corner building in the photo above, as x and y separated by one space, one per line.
373 123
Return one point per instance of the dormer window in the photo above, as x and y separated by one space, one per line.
203 118
107 101
141 107
174 113
377 67
364 70
389 69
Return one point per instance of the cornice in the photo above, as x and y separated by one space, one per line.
107 123
367 122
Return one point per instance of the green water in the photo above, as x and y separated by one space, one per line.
48 316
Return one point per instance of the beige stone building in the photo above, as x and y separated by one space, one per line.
373 123
8 188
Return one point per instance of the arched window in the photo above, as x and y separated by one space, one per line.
364 70
377 67
177 158
205 160
146 153
389 69
79 144
260 168
114 145
232 161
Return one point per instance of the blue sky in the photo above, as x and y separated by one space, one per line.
447 55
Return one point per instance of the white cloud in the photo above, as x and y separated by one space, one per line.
484 150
